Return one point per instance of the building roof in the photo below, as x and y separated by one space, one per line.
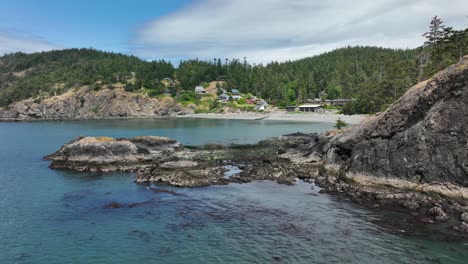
310 105
235 91
199 88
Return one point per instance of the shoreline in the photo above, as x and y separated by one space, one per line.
163 161
276 116
283 116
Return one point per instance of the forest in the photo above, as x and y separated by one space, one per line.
374 77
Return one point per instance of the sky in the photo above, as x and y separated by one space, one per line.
260 30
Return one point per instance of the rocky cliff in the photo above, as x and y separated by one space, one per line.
422 137
88 104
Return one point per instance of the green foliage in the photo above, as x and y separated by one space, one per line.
340 124
241 101
331 107
444 50
291 96
41 72
187 98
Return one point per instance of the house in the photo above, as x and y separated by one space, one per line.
340 102
261 104
200 90
309 107
236 97
223 98
251 101
291 108
235 92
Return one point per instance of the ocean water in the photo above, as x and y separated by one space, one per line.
53 216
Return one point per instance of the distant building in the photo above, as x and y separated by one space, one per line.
236 97
335 102
235 92
261 104
309 107
251 101
291 108
200 90
223 98
340 102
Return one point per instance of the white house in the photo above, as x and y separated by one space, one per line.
309 107
200 90
236 97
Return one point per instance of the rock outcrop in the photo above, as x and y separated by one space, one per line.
422 137
165 161
88 104
103 154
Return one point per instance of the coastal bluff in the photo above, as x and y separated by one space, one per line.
422 137
85 103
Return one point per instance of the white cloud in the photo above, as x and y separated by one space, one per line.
10 43
265 30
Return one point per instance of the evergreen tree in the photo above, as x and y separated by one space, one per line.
436 31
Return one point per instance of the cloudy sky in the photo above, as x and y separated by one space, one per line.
261 30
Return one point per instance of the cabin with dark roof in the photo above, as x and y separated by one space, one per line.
291 108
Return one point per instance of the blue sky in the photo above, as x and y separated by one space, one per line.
106 25
261 30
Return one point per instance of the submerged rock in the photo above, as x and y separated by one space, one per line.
463 227
464 217
438 213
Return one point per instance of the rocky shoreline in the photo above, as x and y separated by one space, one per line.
84 103
163 161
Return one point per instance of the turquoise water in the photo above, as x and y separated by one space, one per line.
50 216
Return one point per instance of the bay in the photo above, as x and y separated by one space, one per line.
54 216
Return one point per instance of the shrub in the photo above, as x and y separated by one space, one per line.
340 124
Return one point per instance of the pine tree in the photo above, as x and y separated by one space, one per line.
436 31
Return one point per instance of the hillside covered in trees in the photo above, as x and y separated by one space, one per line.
374 77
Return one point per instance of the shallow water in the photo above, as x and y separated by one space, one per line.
51 216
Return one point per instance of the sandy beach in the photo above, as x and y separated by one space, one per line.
283 116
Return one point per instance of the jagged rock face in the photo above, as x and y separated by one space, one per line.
109 154
421 137
88 104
